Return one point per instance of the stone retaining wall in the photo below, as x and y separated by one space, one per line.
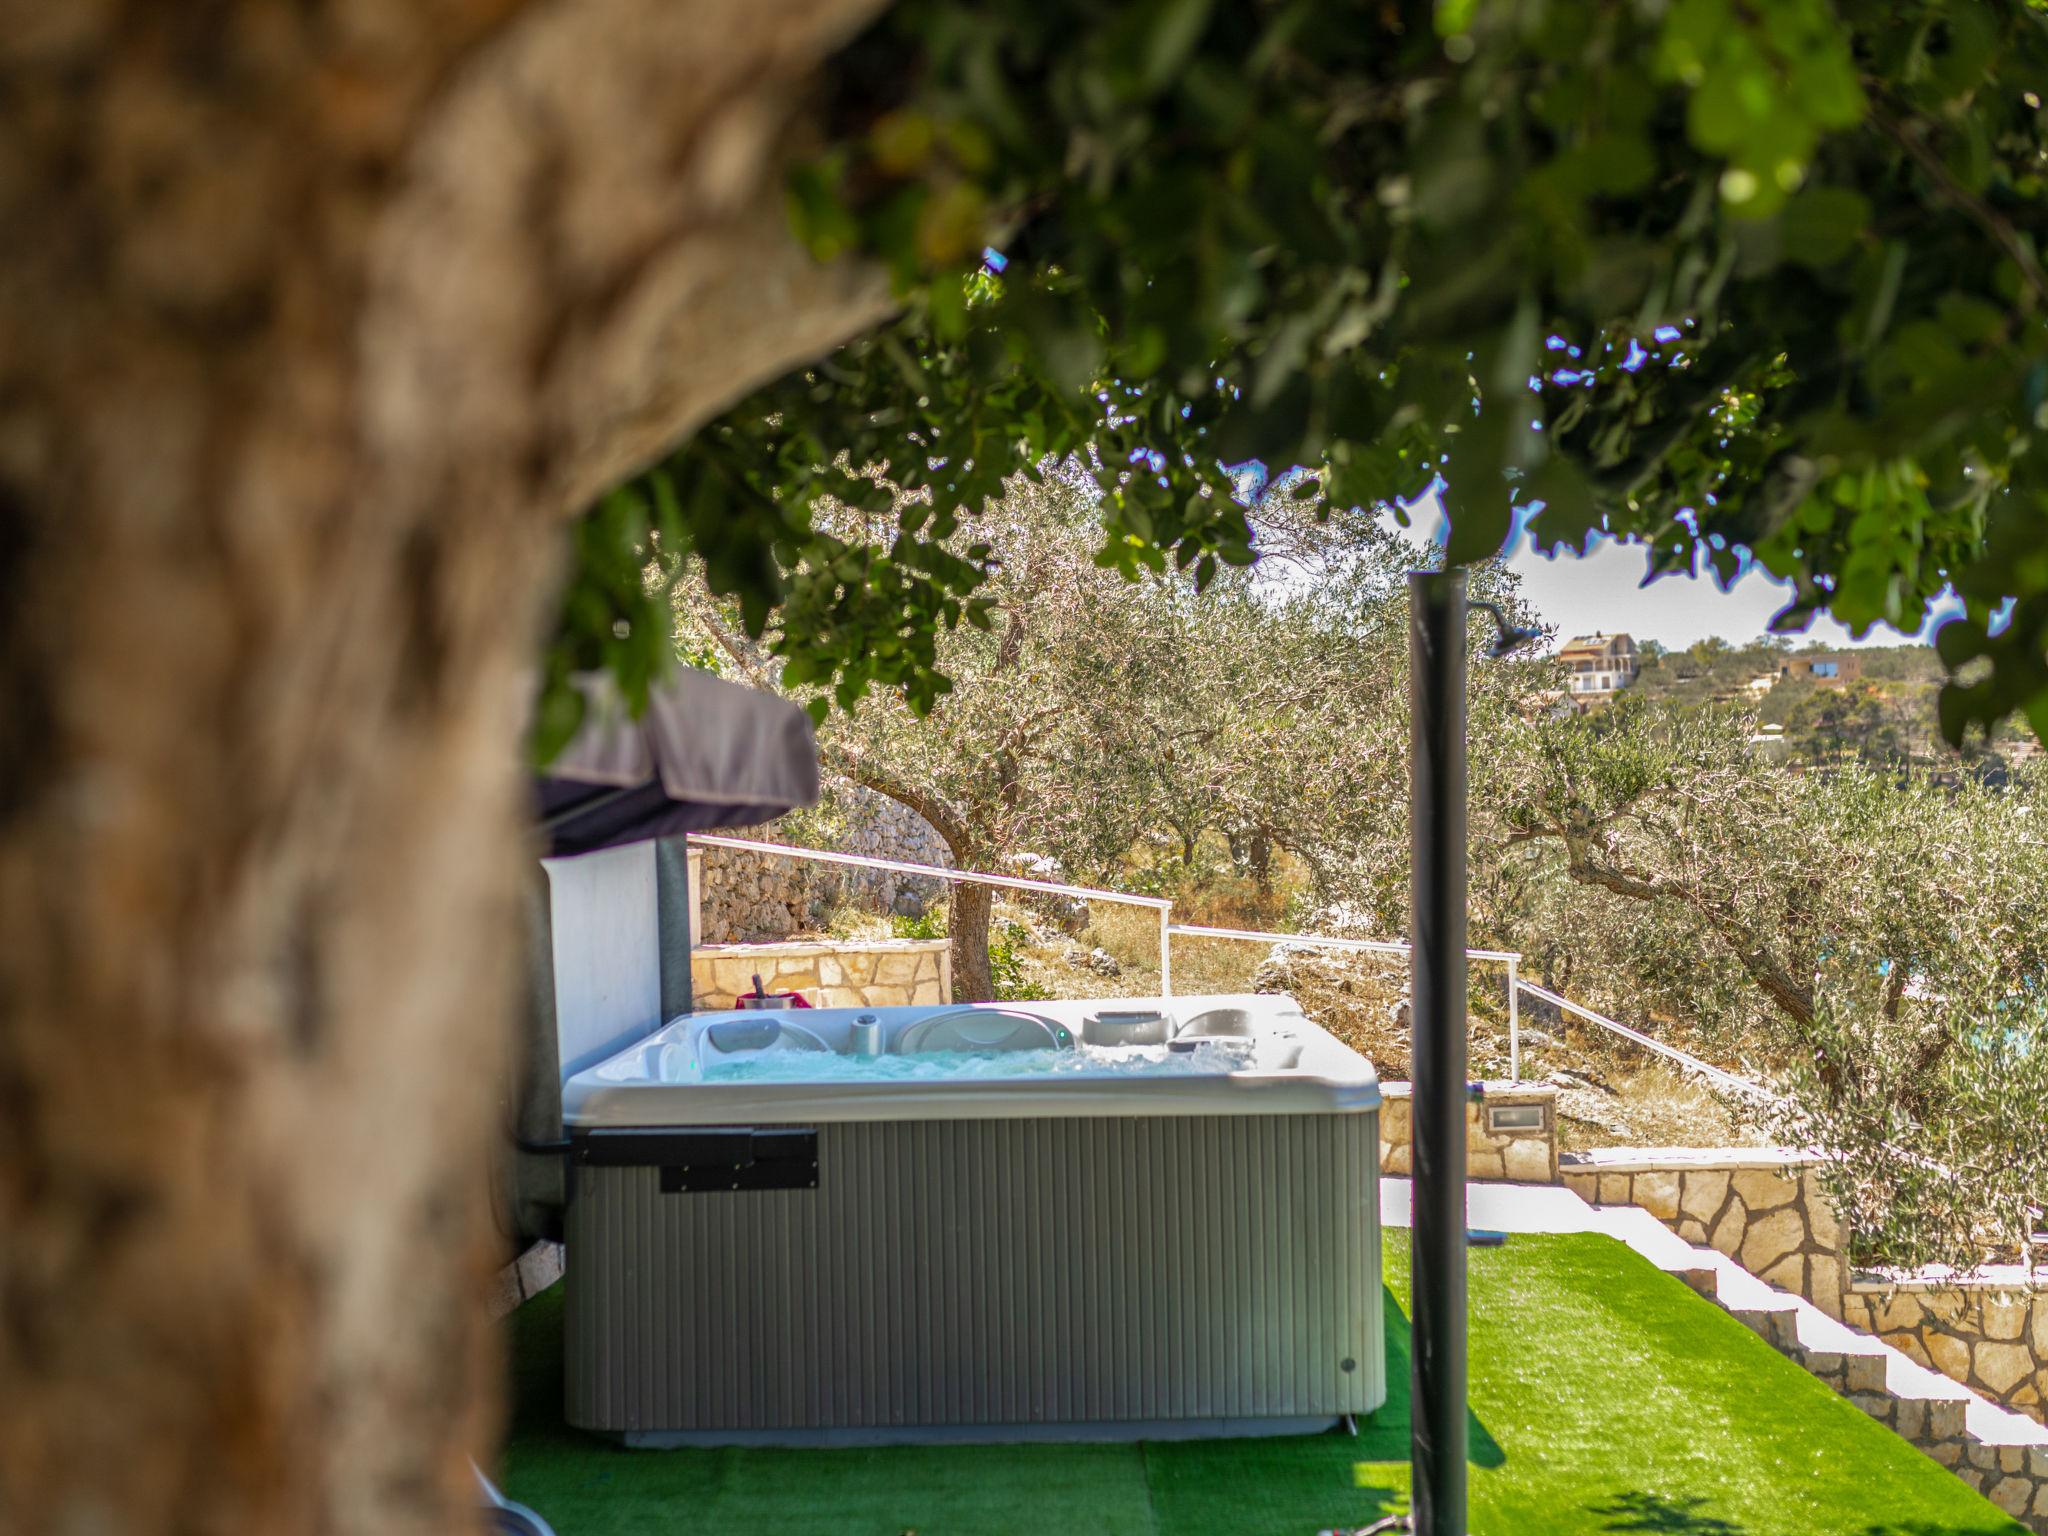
1989 1332
539 1267
2013 1477
1766 1210
1763 1209
761 897
1523 1156
879 973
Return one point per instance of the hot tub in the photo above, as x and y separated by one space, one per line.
1107 1220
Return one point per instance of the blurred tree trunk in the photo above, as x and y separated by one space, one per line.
315 321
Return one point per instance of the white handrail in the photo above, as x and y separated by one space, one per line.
936 871
1690 1063
1317 941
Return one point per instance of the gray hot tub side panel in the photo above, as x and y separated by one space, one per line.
1089 1272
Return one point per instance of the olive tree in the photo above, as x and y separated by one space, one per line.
1344 797
1872 942
320 322
1082 714
1009 759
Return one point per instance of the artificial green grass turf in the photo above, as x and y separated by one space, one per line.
1605 1397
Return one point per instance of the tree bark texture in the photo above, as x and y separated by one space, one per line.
315 322
967 921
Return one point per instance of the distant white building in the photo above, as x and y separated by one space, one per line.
1599 667
1770 744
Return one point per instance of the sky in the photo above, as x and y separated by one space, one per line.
1604 592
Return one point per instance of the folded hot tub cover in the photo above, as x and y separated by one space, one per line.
706 753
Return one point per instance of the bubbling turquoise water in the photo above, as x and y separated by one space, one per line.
784 1065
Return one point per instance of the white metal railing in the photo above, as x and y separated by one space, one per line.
1160 904
1727 1080
1374 946
1169 929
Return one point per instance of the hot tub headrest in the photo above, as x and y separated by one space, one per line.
749 1035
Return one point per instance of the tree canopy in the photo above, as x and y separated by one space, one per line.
1870 940
1743 283
1098 717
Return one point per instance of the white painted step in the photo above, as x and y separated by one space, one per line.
1498 1207
1817 1331
1990 1424
1660 1245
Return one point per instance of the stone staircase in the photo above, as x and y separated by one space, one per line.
2001 1453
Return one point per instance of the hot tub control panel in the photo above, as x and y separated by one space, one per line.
709 1160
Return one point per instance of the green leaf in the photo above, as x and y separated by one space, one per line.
1821 225
1475 489
946 300
1569 516
1176 28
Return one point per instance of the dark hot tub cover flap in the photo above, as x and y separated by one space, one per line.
706 753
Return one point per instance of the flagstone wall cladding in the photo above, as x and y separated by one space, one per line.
761 897
880 973
1990 1333
1763 1209
1517 1157
2013 1477
537 1268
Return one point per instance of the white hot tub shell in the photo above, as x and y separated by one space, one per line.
1115 1219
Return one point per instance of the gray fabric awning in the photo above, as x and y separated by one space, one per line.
706 753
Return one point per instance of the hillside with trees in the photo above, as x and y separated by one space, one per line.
1883 710
1143 732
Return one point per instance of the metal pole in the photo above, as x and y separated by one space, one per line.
1166 951
1514 1023
1436 701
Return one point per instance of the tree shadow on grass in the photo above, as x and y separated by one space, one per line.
1930 1528
1685 1516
